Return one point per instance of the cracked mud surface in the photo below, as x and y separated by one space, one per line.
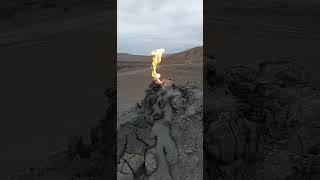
166 132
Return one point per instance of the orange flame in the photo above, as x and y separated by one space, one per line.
156 59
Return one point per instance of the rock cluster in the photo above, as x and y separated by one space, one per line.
265 123
164 140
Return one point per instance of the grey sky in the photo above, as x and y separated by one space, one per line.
145 25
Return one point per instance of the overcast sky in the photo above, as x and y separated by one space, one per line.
145 25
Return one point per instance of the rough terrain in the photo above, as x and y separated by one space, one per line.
261 122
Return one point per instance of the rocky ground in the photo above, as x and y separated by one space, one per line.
261 122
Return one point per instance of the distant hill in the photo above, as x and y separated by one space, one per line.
193 54
131 57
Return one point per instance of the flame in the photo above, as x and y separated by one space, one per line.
156 59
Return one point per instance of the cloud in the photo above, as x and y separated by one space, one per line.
144 25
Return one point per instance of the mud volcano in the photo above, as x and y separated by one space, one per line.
163 139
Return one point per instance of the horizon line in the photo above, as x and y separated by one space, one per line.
118 52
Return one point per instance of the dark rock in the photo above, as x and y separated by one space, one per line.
158 115
161 104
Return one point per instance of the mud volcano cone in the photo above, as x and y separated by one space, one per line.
164 141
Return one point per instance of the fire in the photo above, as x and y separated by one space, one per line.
156 59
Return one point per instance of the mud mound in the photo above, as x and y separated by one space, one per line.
164 141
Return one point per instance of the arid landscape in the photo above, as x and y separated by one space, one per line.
134 74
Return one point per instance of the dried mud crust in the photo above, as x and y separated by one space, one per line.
265 123
165 140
